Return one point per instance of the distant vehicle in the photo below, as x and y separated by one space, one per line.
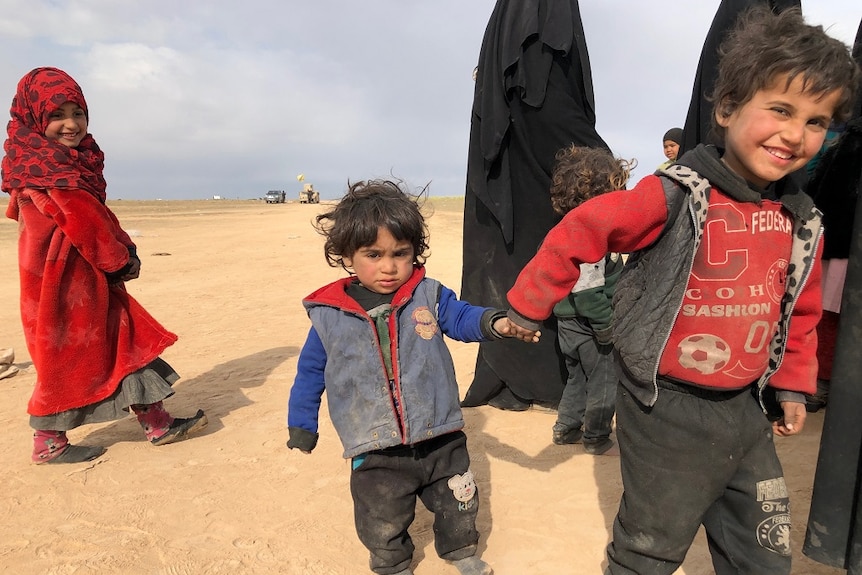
309 195
275 197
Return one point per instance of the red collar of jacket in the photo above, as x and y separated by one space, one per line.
335 293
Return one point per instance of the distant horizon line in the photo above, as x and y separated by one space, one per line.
4 199
218 198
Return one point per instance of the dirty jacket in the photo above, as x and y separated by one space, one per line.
342 355
665 235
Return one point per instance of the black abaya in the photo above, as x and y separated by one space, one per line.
834 534
533 96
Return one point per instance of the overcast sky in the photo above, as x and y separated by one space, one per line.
196 98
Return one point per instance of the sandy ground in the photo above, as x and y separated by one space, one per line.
228 277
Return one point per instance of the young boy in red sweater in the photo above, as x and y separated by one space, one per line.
715 312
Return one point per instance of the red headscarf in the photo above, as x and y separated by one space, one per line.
34 161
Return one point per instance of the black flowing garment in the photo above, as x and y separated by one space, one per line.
698 122
834 534
533 96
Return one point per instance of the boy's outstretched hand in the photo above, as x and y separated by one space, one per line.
793 420
505 327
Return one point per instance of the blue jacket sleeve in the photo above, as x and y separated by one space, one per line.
303 407
463 321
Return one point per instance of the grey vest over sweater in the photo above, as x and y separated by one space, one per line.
650 292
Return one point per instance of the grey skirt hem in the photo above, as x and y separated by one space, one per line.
143 387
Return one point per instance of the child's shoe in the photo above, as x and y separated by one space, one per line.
181 428
79 454
473 566
76 454
599 446
52 446
563 435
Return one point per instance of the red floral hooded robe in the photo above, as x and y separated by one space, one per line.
83 334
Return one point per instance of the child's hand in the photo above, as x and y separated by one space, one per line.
302 439
793 420
134 269
507 328
604 336
294 447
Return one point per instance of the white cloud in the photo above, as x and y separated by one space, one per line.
195 98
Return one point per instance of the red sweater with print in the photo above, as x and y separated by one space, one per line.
721 334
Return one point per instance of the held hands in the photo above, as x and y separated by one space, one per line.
793 420
507 328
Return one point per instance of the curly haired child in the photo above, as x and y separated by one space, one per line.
376 347
584 316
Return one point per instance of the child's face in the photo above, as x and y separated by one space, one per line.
384 266
777 131
671 149
67 125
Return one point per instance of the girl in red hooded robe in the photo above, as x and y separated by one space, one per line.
95 349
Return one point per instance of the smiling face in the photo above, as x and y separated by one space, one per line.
67 125
777 131
385 265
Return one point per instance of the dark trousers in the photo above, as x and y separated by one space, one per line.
385 486
590 392
699 457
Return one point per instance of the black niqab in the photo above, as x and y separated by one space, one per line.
533 96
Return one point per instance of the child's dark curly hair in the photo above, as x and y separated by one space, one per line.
366 207
581 173
764 47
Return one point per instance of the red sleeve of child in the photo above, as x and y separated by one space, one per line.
89 225
798 370
622 221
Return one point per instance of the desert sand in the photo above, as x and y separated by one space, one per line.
228 278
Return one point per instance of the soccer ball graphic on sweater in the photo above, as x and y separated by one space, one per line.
703 352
